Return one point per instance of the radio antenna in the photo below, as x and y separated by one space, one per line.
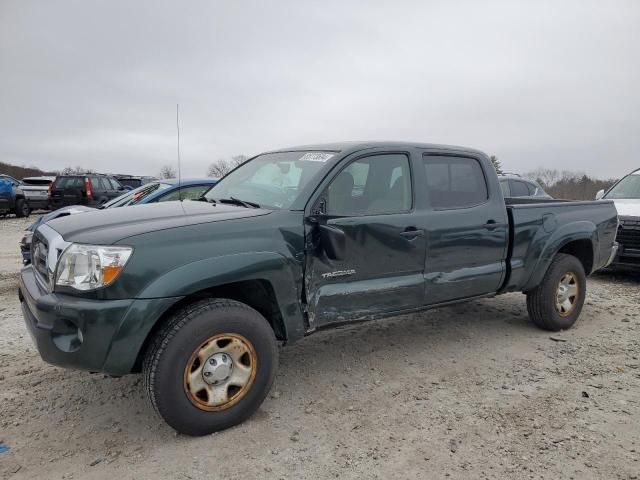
179 171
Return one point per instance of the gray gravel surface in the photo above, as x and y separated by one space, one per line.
471 391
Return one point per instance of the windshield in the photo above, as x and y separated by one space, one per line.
136 196
628 187
272 180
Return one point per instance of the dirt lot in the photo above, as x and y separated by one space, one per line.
472 391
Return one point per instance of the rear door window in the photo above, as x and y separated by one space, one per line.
518 188
104 183
455 182
532 189
504 185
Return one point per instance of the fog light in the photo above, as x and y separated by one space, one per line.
66 335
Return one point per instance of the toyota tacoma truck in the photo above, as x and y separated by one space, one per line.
199 295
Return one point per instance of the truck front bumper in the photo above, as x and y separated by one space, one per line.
96 335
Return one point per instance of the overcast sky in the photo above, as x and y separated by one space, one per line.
553 84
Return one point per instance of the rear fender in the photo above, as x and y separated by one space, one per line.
583 230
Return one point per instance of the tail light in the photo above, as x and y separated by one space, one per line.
49 190
87 187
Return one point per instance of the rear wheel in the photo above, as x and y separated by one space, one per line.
556 303
211 366
22 208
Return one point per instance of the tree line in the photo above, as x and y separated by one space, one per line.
563 184
569 185
18 172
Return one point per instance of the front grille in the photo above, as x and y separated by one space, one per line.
39 254
629 240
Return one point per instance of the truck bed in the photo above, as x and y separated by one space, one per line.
540 227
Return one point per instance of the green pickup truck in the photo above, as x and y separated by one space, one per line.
198 295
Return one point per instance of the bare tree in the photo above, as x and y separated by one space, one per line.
544 176
77 170
167 171
221 167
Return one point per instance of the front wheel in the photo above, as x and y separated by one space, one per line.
211 366
556 303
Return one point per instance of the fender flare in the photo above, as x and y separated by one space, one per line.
582 230
164 292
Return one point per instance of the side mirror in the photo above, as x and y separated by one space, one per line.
333 241
600 194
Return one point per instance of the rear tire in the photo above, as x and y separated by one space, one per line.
22 208
556 303
204 335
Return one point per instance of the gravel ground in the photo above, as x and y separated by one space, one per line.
472 391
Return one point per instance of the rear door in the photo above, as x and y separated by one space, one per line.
100 190
116 188
466 225
371 201
6 193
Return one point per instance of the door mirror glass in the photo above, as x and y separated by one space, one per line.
333 241
600 194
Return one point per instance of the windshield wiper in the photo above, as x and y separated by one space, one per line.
205 199
237 201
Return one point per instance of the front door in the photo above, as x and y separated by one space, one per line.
467 228
371 200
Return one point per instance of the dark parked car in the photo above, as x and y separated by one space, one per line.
159 191
131 181
198 295
91 190
515 186
12 198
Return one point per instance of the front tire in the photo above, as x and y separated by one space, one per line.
556 303
211 366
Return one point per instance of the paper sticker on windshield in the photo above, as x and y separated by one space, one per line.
316 157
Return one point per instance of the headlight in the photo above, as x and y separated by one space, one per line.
87 267
26 238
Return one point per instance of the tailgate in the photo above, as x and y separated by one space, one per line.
35 191
63 197
67 191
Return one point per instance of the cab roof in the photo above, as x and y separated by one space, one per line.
354 146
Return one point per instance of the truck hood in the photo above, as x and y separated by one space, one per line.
104 227
628 207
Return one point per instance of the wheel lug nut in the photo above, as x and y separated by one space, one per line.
212 361
207 374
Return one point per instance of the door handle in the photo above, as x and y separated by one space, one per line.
492 225
412 232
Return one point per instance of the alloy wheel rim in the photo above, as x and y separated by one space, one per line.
567 294
220 372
